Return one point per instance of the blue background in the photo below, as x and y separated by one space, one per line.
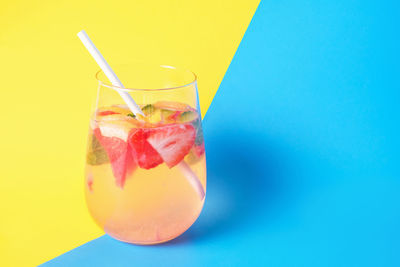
302 147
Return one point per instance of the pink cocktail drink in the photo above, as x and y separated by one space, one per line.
145 175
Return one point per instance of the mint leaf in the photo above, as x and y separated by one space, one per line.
96 154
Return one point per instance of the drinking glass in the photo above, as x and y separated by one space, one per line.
145 176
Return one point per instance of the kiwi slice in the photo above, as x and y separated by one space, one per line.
148 109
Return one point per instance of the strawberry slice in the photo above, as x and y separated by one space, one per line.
119 153
115 109
145 155
173 142
107 112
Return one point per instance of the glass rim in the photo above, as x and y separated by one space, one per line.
132 89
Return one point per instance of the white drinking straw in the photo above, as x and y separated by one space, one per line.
109 72
186 170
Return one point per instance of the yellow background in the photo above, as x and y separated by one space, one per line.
47 87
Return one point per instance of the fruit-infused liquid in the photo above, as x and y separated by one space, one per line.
145 175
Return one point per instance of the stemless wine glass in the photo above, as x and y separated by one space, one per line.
146 175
